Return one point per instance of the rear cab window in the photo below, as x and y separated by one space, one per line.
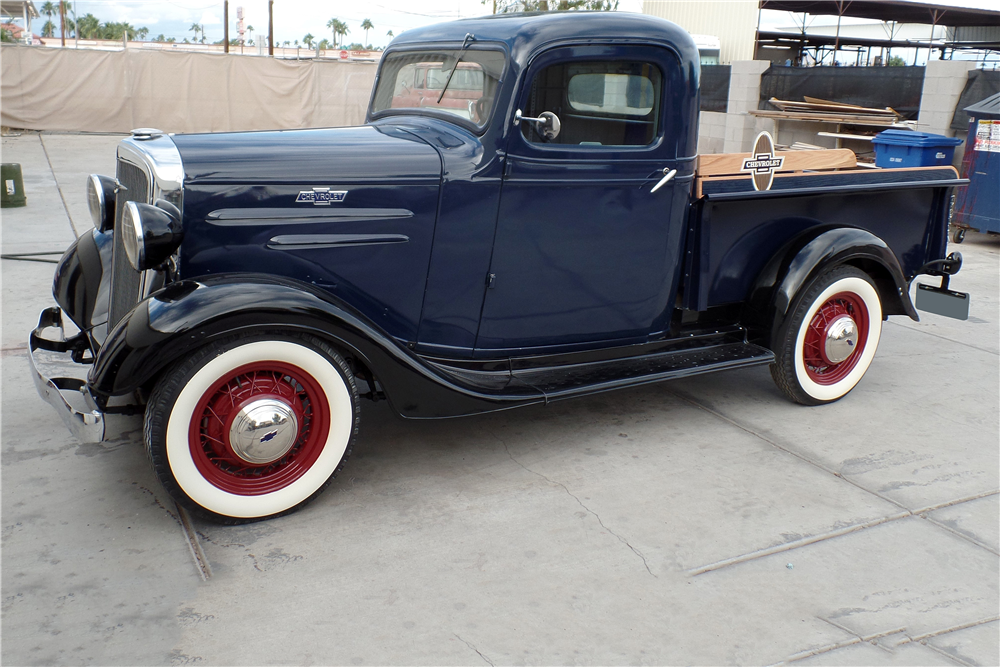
599 103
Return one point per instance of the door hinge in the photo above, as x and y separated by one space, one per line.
491 280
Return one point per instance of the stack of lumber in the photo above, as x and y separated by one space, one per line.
722 164
832 112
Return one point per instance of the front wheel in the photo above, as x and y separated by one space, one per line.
252 426
828 339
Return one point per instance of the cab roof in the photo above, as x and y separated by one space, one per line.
526 33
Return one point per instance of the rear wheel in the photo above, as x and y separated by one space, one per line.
253 426
828 340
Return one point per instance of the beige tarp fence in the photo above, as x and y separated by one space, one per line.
116 91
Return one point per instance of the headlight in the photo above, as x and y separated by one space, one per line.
150 234
101 198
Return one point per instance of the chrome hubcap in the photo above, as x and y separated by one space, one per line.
263 431
841 339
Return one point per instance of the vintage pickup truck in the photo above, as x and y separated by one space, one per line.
553 235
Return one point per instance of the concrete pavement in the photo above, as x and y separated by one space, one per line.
703 521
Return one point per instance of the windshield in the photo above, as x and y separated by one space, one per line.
415 79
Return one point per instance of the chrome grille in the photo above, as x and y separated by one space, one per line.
126 282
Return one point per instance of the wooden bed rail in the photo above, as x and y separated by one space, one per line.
730 163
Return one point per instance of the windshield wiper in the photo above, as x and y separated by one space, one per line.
469 37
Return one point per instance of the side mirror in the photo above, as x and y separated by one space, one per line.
547 124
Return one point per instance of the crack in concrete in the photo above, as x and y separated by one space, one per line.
961 534
69 216
790 452
954 628
480 653
813 539
182 519
226 545
875 642
857 639
580 502
950 340
191 535
954 658
907 512
156 501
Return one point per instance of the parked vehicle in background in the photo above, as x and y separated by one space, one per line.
709 49
556 236
423 85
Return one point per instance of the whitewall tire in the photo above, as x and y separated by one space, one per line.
829 337
252 426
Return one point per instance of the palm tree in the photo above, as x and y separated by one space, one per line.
308 40
49 9
250 30
49 29
342 30
332 25
88 27
195 28
70 17
141 33
367 25
390 34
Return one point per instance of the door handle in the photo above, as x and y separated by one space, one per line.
668 175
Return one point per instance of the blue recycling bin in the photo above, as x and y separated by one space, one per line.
977 206
903 148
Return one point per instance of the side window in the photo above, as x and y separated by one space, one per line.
599 103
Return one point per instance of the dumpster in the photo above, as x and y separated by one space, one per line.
903 148
978 205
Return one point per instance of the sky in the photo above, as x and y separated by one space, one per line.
293 19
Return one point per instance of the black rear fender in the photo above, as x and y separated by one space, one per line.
187 315
813 252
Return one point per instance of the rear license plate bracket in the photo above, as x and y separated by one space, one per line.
945 302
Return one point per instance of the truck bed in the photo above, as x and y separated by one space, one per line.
734 230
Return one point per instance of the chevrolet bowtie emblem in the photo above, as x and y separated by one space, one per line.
763 162
320 196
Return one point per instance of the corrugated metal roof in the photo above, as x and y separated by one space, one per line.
16 8
903 11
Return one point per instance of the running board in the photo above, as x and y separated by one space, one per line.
566 381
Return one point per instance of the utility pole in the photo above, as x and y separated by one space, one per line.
62 24
270 28
225 28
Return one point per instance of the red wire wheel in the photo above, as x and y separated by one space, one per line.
819 367
212 420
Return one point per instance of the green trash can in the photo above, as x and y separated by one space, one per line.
12 186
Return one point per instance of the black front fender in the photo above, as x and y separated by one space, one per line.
187 315
82 279
813 252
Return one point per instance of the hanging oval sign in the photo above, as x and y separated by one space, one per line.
763 162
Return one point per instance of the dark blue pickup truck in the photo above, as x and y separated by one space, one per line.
523 218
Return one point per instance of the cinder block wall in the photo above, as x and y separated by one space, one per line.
744 95
735 130
944 81
712 132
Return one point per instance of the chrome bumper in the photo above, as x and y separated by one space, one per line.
88 424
